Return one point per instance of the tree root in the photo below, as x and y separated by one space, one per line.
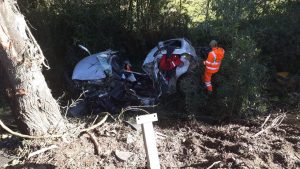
49 136
95 143
96 125
42 150
24 135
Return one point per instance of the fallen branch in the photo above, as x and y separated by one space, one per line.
133 126
96 125
133 108
297 156
160 135
213 164
111 116
275 123
149 106
24 135
201 146
95 120
42 150
95 143
262 126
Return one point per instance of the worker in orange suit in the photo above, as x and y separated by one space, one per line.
212 64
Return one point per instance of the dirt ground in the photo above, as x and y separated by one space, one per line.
181 144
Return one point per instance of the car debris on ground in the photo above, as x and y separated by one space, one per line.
107 84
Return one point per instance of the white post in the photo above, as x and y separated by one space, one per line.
149 139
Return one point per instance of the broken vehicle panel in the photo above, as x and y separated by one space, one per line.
168 61
109 87
94 67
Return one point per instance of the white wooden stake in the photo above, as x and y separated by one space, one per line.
149 139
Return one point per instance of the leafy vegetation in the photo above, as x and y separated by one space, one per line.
260 39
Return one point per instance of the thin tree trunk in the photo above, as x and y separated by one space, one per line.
130 15
138 10
207 15
37 112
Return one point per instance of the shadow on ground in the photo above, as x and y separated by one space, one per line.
32 166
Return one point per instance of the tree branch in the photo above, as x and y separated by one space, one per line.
96 125
42 150
95 143
26 136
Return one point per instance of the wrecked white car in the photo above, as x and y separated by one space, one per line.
109 85
168 61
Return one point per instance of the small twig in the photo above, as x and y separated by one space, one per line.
275 123
27 21
150 106
51 159
95 120
203 147
79 98
95 143
161 134
213 164
96 125
77 128
73 103
262 126
262 131
26 136
278 121
31 37
42 150
67 109
297 156
60 97
133 109
134 127
56 127
111 116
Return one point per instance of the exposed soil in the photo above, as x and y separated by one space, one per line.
188 144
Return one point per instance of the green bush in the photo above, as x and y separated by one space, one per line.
238 86
134 27
241 80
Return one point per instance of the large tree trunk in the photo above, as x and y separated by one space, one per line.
37 112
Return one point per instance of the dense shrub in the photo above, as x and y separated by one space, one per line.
132 27
242 79
256 35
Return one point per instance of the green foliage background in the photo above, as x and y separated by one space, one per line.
259 37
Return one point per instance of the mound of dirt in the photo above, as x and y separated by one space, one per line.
180 144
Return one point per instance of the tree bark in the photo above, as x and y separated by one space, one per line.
37 112
207 15
130 15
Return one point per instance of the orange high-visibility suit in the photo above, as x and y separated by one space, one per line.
212 65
